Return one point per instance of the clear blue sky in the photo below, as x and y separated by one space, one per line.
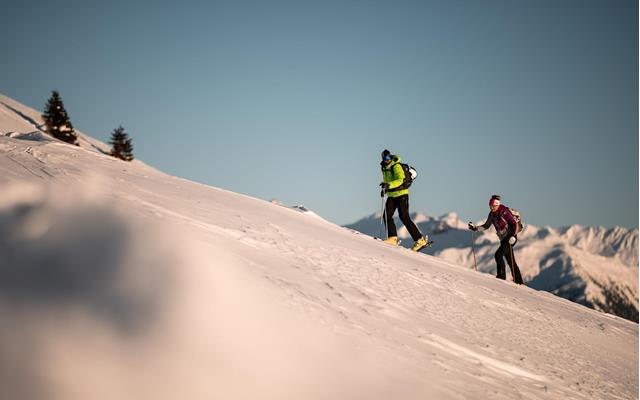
535 100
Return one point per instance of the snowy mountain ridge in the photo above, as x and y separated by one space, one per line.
118 281
617 242
594 266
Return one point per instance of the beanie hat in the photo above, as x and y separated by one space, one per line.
385 153
495 201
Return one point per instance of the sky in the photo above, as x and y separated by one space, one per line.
295 100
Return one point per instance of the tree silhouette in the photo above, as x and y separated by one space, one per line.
57 121
122 146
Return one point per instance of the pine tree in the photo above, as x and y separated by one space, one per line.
57 121
122 146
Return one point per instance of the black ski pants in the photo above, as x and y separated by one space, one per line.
402 204
506 251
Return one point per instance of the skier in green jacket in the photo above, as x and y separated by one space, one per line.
394 186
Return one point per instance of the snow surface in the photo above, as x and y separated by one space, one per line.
118 281
594 266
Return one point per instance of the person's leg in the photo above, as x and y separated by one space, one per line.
390 209
499 256
515 270
403 211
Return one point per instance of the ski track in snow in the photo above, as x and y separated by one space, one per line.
503 368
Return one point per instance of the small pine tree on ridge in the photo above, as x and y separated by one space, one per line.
56 120
122 145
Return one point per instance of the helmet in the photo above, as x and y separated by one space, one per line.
385 153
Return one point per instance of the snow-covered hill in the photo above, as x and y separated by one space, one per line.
597 267
118 281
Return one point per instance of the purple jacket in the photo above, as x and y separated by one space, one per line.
506 226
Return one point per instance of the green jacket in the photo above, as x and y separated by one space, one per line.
393 174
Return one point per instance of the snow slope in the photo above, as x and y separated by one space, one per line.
594 266
118 281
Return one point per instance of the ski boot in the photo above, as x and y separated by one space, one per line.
420 243
393 240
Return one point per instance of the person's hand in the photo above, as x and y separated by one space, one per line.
384 185
512 240
472 226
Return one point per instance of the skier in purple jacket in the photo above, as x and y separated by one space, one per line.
507 229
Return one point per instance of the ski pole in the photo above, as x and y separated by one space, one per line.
513 264
383 211
475 265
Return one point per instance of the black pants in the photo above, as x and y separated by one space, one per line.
402 204
506 251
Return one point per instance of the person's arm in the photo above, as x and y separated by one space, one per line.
486 225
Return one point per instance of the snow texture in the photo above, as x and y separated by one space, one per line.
594 266
120 282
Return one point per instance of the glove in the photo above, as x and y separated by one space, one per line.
384 185
472 227
512 240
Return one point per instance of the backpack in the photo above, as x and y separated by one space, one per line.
518 218
410 174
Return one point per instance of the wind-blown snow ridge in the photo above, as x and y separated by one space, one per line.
151 286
